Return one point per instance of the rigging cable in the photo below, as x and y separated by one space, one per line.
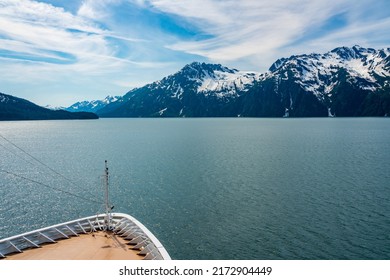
5 148
39 161
50 187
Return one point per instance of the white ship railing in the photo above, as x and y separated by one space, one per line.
124 225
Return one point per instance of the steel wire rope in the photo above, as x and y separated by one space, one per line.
50 187
5 148
42 163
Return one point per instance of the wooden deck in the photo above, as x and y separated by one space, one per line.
93 246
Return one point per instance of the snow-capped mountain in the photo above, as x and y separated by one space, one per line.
331 75
92 106
343 82
207 79
198 89
215 79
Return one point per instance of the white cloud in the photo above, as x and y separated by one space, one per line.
212 12
29 12
98 43
96 9
46 47
359 33
246 28
43 32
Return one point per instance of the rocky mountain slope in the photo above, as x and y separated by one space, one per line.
92 106
198 89
342 82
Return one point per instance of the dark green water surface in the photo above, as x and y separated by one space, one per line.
211 188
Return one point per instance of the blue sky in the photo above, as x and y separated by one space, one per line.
58 52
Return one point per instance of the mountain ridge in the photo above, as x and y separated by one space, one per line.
15 108
342 82
91 106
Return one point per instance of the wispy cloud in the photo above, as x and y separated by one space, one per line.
48 44
96 9
81 45
31 29
243 29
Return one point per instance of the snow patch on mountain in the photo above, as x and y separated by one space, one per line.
226 83
55 108
4 98
317 73
92 106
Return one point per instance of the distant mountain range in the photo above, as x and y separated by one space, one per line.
14 108
92 106
343 82
197 90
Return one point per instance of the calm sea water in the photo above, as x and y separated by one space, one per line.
212 188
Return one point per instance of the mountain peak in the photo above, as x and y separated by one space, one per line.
303 85
356 52
199 67
92 106
275 66
109 99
